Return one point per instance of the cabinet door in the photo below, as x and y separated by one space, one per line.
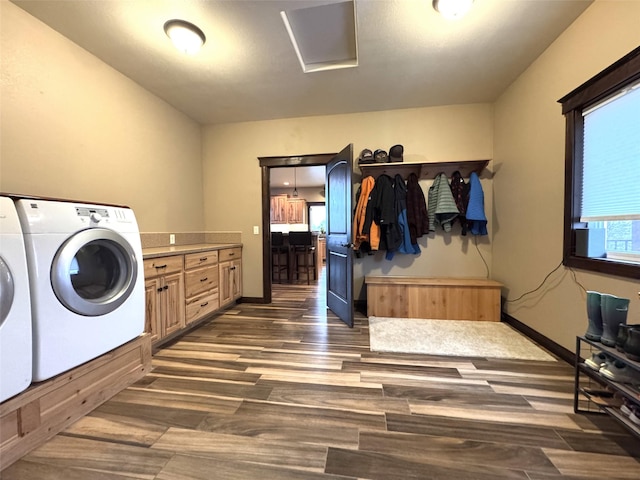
322 251
236 279
152 311
173 303
279 209
296 210
226 286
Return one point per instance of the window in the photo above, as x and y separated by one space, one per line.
317 217
602 171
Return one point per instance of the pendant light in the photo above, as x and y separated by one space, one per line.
295 183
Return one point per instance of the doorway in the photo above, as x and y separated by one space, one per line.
266 164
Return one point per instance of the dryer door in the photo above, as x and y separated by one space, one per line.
6 290
94 272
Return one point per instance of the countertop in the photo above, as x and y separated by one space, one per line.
155 252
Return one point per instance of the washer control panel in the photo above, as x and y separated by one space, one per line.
96 214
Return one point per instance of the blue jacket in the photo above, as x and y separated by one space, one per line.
476 219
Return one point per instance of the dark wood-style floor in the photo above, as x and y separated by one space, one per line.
286 391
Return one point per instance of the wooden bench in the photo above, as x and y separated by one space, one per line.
433 298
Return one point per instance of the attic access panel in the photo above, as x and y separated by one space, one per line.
323 36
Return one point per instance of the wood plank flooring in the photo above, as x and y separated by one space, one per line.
287 391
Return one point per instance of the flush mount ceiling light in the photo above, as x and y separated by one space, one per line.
185 36
452 9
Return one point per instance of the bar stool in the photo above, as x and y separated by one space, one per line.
304 255
278 250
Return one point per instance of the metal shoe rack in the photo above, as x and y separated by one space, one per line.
588 380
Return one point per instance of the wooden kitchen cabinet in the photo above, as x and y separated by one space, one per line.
230 268
288 210
201 285
164 296
296 210
279 209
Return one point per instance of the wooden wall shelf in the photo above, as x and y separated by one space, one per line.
424 170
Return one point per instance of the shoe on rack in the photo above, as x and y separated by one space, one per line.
635 415
625 409
618 371
597 361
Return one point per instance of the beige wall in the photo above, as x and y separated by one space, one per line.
529 166
233 190
73 127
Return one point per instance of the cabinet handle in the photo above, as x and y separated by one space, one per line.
161 266
232 268
204 279
231 254
204 304
159 289
166 287
203 259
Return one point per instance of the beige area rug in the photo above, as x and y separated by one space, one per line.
462 338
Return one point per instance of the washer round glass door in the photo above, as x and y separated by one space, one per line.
6 290
94 272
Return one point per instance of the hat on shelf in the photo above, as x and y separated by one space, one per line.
366 156
395 153
380 156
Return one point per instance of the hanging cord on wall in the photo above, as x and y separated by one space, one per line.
475 241
573 274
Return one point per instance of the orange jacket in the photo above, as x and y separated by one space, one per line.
359 236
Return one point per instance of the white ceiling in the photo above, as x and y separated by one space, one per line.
408 55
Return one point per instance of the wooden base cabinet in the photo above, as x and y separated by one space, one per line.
230 265
182 289
164 288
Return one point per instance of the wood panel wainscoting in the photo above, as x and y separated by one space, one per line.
433 298
44 409
286 391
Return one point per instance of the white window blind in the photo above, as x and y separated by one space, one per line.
611 159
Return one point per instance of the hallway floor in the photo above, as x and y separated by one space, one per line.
287 391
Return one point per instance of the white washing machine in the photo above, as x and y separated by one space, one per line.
15 310
87 281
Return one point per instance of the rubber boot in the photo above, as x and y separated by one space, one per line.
614 312
632 344
623 335
594 314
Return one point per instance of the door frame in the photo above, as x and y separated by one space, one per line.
266 164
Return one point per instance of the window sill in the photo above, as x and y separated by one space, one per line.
603 265
632 258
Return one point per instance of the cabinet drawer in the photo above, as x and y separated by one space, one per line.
201 259
200 280
161 265
202 305
229 254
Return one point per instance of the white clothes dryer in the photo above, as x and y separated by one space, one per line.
87 281
15 309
